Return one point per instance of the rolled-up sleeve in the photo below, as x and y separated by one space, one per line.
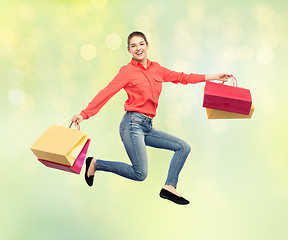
180 77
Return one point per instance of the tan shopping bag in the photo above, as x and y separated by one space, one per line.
60 144
218 114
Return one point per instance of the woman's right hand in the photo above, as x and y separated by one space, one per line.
77 118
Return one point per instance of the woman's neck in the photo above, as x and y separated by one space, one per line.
143 62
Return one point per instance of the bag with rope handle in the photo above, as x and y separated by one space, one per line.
62 148
227 98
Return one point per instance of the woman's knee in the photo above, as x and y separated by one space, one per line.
141 176
188 148
185 147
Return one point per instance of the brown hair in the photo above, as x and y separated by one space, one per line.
134 34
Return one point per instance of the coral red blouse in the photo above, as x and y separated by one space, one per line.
143 87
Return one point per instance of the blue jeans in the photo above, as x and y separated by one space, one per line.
136 133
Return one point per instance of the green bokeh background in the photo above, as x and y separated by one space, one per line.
56 55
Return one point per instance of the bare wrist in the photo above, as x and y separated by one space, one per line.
210 77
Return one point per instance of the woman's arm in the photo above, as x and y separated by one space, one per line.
102 97
218 77
180 77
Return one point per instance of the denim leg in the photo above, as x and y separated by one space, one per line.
159 139
133 139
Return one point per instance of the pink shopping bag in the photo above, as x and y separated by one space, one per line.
76 167
227 98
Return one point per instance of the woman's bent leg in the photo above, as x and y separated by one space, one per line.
159 139
133 140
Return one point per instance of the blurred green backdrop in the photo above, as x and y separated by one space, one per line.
56 55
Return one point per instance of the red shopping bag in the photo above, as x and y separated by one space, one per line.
227 98
76 167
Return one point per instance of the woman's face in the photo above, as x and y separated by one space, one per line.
138 48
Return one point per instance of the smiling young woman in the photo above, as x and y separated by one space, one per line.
138 47
142 79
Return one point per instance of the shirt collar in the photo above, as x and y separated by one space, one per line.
136 63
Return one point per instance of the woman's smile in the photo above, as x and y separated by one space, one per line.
139 53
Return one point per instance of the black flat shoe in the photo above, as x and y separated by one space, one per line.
172 197
89 180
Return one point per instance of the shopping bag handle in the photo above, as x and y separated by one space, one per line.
77 124
234 81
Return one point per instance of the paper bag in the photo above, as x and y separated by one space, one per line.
60 144
76 167
218 114
227 98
